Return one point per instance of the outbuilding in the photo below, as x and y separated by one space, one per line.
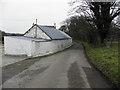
37 41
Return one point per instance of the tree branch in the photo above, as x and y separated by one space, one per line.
116 14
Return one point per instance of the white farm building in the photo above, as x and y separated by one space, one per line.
37 41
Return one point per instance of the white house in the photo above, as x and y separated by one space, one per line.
37 41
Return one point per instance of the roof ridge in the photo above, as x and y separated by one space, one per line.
52 26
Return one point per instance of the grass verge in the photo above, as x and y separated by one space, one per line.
106 60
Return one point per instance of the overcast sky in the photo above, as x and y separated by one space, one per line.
18 15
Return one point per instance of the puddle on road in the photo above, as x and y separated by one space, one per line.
74 78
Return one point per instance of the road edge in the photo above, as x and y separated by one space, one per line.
102 74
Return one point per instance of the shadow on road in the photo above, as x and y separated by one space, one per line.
76 46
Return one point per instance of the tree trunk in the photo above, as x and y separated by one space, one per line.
103 36
103 29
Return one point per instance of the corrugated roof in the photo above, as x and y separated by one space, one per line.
54 33
26 38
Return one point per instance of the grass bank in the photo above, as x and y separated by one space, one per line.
106 60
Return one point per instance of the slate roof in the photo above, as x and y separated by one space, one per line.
54 33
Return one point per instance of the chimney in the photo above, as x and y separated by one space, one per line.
33 24
36 21
55 25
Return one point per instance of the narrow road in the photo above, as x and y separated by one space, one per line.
66 69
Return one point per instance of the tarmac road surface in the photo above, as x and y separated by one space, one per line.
66 69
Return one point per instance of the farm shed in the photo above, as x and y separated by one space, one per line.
37 41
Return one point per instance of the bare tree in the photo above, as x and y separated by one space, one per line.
100 13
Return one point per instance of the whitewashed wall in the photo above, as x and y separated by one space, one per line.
14 46
40 33
45 48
